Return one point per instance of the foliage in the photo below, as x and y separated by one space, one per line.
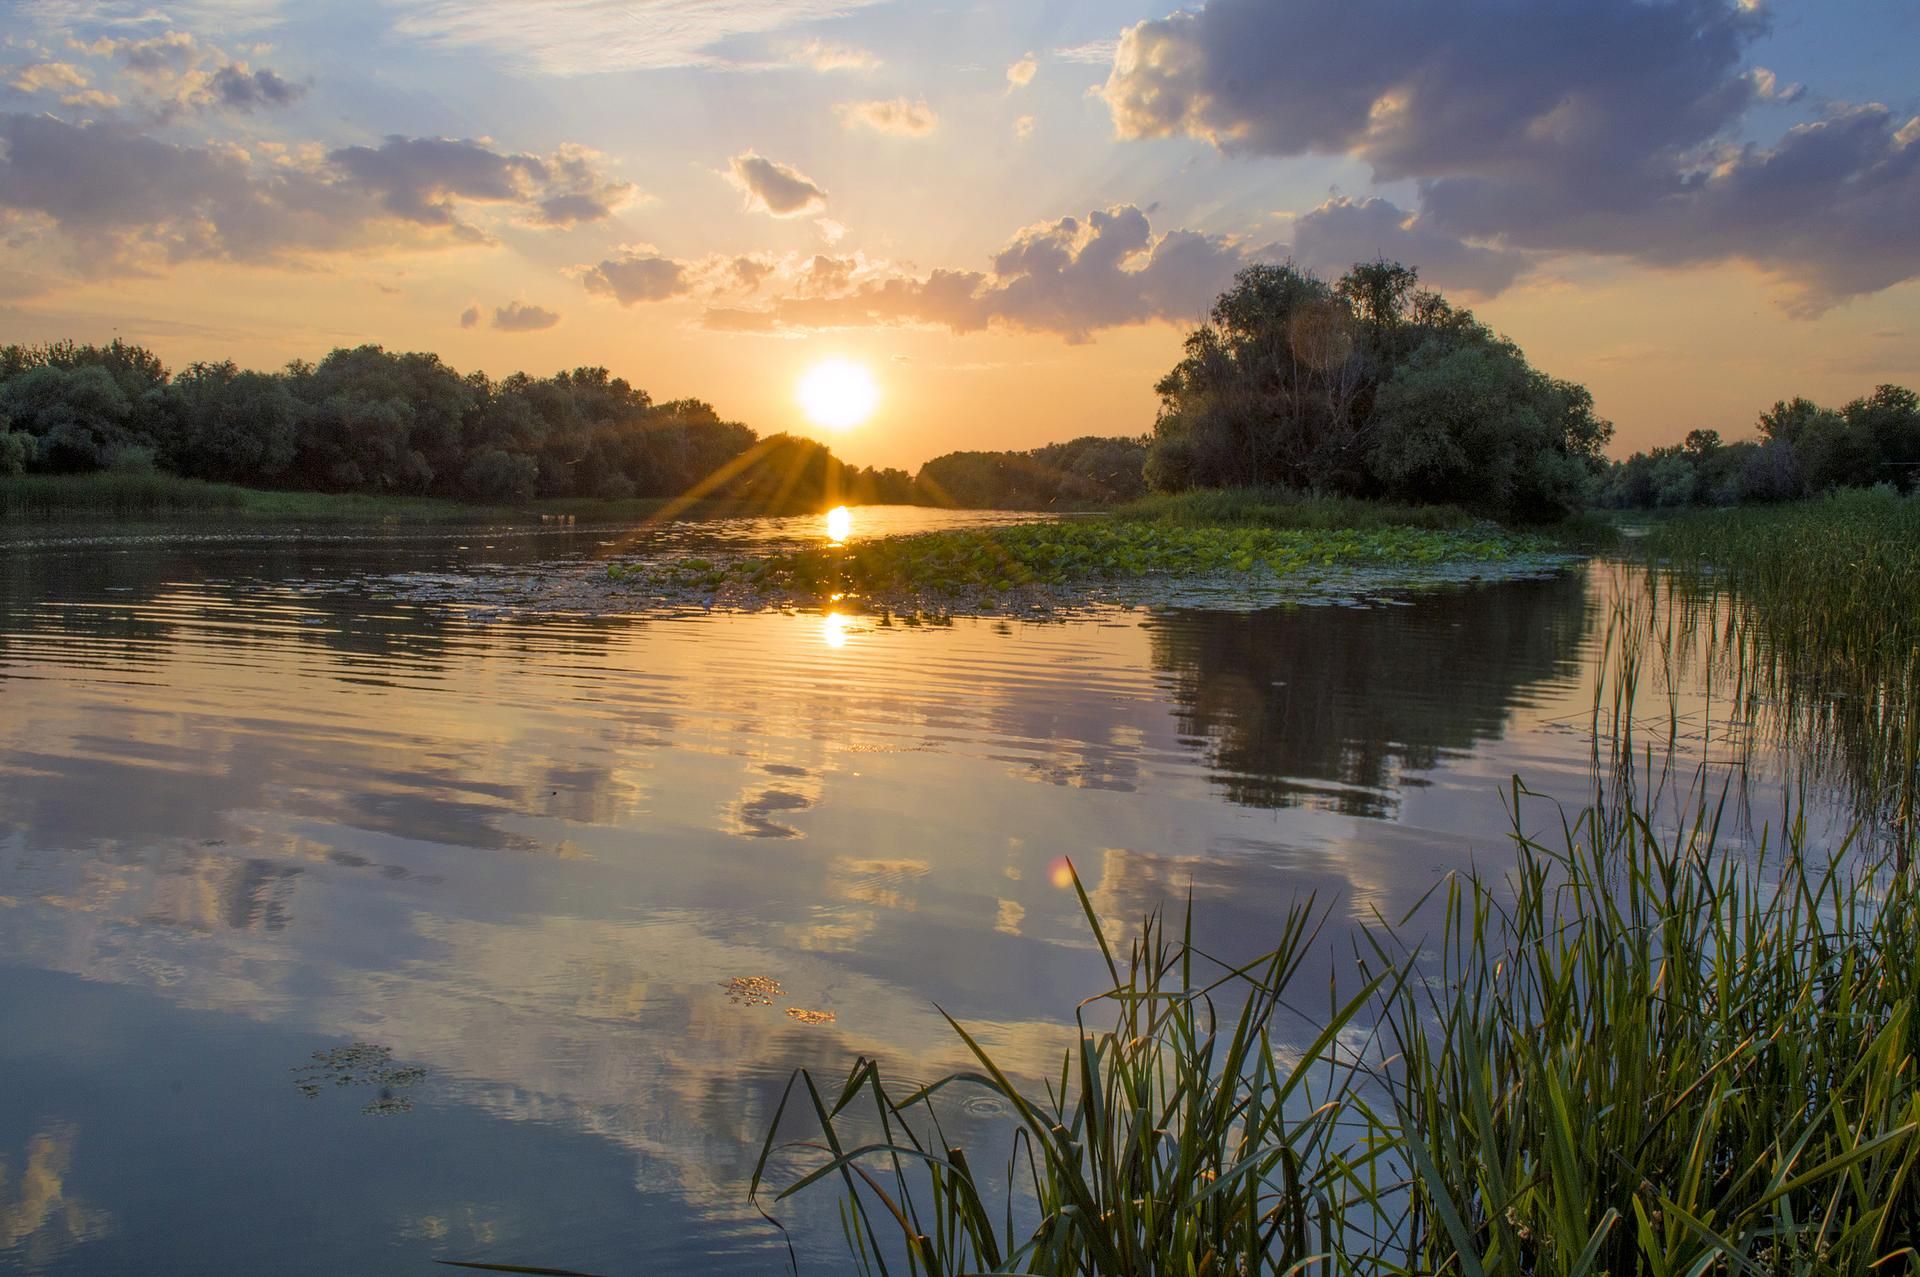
1803 450
1286 508
1819 624
367 420
115 492
1369 387
1180 1139
1635 1055
1092 470
973 562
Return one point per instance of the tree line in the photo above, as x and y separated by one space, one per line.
371 420
1370 386
1803 450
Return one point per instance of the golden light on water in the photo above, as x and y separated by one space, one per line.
833 630
839 524
837 393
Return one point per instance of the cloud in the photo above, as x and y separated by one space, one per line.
1072 277
1021 73
1341 232
1593 126
423 180
175 73
470 316
822 56
637 278
125 199
897 116
1092 53
1023 127
583 37
43 77
775 189
236 85
517 317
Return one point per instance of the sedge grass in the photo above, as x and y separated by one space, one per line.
1636 1054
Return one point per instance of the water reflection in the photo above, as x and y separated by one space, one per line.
253 807
39 1219
1343 707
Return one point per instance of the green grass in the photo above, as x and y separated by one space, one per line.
118 493
1813 612
1638 1054
1285 508
974 562
156 494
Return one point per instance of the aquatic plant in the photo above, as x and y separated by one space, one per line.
968 562
1636 1054
1813 615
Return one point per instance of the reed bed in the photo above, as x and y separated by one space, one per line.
1813 615
1633 1054
120 493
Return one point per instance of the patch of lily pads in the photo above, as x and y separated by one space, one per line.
1067 566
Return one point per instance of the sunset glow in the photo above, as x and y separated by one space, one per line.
838 394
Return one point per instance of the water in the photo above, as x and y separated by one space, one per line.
345 925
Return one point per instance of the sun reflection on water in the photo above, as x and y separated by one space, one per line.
839 524
833 629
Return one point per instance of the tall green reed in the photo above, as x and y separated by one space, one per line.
1635 1053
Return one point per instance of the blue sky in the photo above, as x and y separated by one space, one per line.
1695 206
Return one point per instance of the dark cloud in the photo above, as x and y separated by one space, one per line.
637 278
470 317
517 317
1072 277
1588 125
773 188
420 178
129 199
1341 232
236 86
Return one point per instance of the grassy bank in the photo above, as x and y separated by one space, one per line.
1636 1055
1283 508
980 565
156 495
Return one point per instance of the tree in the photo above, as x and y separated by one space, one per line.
1371 386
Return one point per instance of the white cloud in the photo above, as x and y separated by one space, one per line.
581 37
822 56
897 116
1021 73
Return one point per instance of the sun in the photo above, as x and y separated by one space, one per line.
838 394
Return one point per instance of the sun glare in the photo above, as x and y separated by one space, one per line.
838 394
839 524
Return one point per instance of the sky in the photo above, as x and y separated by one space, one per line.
1009 211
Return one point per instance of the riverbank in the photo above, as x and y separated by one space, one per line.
151 494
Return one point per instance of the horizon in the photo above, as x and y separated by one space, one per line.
1011 235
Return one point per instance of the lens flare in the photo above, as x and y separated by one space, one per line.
1060 873
839 524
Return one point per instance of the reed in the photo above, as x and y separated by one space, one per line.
1813 614
116 492
1633 1054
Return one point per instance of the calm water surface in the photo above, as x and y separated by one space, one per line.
262 798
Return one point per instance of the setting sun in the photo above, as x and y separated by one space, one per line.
838 394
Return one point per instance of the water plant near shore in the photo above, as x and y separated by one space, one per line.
1810 613
1638 1054
997 560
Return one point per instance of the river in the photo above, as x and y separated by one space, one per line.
350 920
